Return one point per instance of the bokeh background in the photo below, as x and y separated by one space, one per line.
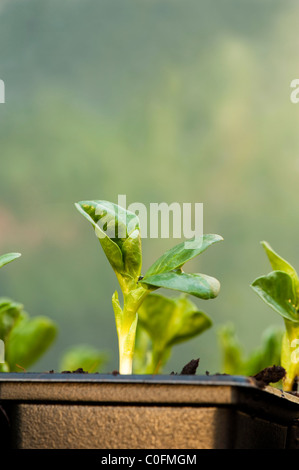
163 101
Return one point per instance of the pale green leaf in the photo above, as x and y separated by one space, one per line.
169 321
8 257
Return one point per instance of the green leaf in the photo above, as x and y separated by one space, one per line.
118 232
10 313
169 321
231 350
268 354
28 340
277 290
177 256
83 356
199 285
193 322
8 257
280 264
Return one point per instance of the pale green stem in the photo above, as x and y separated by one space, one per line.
290 354
126 324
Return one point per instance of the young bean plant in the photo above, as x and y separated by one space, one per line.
280 290
118 231
25 338
234 359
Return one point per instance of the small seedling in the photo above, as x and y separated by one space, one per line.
162 323
25 339
234 359
118 231
280 290
83 356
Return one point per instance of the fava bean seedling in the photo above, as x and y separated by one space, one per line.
25 338
118 231
280 290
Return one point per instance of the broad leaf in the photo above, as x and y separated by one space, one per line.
177 256
280 264
10 313
199 285
277 290
118 232
28 340
8 257
193 323
169 321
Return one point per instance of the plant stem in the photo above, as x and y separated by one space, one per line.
290 354
126 323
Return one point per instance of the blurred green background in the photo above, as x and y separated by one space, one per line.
163 101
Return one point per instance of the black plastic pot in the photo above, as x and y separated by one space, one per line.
95 411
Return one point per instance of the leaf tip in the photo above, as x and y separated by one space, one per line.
264 244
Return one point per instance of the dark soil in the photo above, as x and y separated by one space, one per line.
269 375
265 377
77 371
188 369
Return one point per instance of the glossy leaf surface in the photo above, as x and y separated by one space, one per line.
199 285
277 290
118 232
280 264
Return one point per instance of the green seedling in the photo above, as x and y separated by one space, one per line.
84 357
280 290
234 359
162 323
118 231
25 339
